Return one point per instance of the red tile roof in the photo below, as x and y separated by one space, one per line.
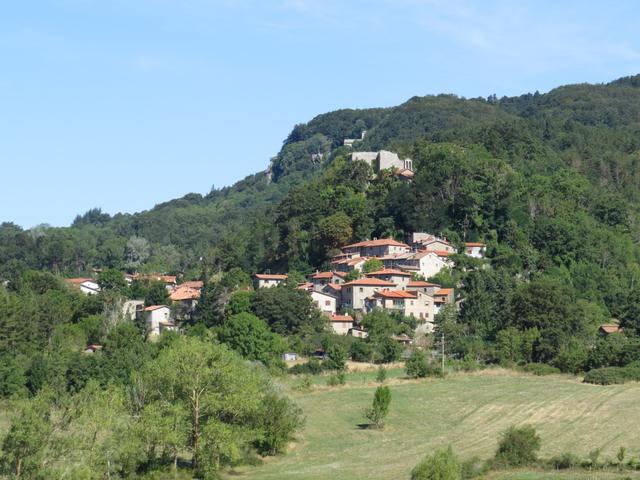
340 318
441 253
192 284
444 291
388 271
370 282
321 275
395 294
151 308
335 286
78 281
610 328
184 293
270 276
378 243
474 244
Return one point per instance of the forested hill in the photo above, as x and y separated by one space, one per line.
550 179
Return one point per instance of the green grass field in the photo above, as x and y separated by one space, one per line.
467 411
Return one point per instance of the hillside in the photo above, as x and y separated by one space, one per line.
589 129
468 412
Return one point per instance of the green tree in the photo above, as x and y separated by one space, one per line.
372 265
279 420
379 407
112 280
416 365
518 446
442 465
251 337
157 294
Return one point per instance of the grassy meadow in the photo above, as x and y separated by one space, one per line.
468 411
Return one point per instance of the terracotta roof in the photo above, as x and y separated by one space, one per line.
151 308
184 293
168 278
389 271
340 274
305 286
421 283
378 243
372 282
395 294
270 276
321 275
335 286
341 318
405 172
192 284
610 328
78 281
444 291
441 253
474 244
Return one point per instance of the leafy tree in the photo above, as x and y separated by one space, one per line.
372 265
416 365
518 446
137 251
379 407
112 280
279 420
381 375
287 310
441 465
157 294
251 337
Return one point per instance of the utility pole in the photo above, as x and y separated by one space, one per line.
442 341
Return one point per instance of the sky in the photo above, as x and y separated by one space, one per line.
123 104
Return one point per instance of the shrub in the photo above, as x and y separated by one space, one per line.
442 465
540 369
281 418
381 376
518 446
337 379
303 384
565 461
613 375
416 365
380 407
312 367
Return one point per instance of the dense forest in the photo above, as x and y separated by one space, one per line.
550 182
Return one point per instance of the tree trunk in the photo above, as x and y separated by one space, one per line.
195 436
18 467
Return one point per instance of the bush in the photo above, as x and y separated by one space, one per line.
442 465
565 461
540 369
380 407
381 376
416 365
281 418
304 384
613 375
312 367
518 446
337 379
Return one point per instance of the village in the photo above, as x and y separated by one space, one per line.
348 290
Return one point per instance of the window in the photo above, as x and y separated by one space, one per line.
327 302
361 289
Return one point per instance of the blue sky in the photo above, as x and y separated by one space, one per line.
122 104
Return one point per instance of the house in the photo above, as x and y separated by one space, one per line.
400 278
475 249
334 289
170 281
268 280
348 142
422 286
410 304
358 332
383 160
341 324
441 298
427 241
132 309
403 339
377 247
289 356
320 279
346 265
425 263
186 296
158 319
197 284
355 293
87 286
405 175
92 349
609 328
325 302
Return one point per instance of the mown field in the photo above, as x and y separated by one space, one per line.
467 411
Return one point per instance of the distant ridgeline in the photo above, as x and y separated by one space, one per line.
549 181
